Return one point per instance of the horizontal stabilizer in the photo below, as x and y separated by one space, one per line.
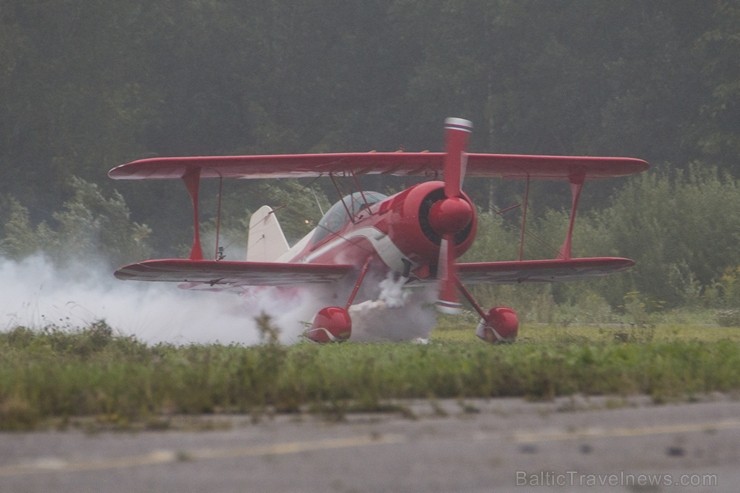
229 273
550 270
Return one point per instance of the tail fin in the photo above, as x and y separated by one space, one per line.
266 241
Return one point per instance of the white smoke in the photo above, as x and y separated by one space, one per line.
399 314
36 294
392 292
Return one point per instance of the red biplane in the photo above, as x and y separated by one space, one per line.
416 235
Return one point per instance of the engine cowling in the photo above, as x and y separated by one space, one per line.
331 324
500 325
417 218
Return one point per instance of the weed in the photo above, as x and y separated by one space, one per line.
17 414
728 318
269 334
119 382
639 311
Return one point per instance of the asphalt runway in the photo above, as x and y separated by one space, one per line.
595 444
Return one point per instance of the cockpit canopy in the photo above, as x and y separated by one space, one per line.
336 217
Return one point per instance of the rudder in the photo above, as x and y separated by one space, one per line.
265 241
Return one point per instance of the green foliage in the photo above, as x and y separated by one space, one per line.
19 237
682 230
298 206
88 226
728 318
718 47
87 86
729 287
495 240
57 373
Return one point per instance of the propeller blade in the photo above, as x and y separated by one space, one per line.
457 132
447 301
452 214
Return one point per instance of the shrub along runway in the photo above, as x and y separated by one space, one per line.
53 377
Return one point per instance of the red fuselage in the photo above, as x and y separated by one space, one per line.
395 229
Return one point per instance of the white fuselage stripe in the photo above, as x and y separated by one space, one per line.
388 252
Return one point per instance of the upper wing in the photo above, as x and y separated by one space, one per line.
512 272
229 273
389 163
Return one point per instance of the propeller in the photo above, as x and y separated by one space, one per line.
453 213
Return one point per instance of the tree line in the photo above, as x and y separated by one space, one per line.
87 85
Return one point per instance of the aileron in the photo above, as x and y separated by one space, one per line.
549 270
214 272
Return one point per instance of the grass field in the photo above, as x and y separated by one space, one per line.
53 376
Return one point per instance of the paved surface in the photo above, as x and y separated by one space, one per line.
473 446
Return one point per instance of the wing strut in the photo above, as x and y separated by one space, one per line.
576 185
358 283
341 199
219 255
192 183
524 219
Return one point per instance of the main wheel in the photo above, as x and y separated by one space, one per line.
331 324
500 325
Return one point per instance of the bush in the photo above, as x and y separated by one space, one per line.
89 225
728 318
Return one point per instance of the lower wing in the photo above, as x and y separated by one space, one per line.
231 274
551 270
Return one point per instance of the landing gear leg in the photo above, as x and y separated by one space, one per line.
498 325
333 323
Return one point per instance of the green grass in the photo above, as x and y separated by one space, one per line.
53 376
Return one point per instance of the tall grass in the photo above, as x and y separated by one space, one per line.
55 373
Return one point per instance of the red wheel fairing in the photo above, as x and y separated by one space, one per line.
331 324
500 325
